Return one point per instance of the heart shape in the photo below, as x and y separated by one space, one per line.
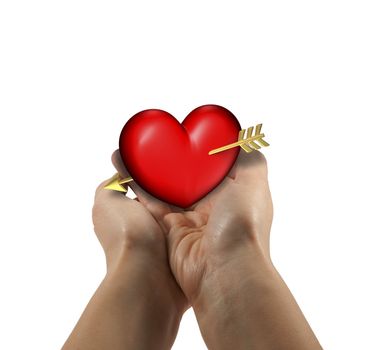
170 160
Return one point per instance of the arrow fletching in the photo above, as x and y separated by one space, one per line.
248 144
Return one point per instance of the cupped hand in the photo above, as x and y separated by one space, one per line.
127 230
215 231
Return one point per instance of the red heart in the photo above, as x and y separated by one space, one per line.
170 160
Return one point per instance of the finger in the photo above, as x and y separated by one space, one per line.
118 163
173 221
180 225
196 219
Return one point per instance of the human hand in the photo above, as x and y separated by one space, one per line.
214 234
127 230
138 305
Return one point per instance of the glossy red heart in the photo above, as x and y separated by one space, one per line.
170 160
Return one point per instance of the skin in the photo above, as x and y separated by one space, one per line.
139 304
218 254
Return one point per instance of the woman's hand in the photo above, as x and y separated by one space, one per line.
216 230
139 304
125 227
218 252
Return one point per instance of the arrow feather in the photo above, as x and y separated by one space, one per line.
258 129
254 145
249 132
246 148
263 143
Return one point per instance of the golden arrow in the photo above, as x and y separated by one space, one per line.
248 144
117 183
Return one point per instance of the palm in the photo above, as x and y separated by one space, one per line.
216 223
211 228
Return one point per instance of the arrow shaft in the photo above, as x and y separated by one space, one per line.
235 144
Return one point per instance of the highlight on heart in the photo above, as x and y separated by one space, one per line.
180 163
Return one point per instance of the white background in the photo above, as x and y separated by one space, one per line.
73 72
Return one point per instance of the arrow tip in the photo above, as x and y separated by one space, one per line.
114 184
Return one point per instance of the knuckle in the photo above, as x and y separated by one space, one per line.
97 212
261 157
100 187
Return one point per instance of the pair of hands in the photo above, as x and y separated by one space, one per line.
184 249
213 256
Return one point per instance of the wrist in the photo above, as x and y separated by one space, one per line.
221 283
150 273
247 304
226 291
153 304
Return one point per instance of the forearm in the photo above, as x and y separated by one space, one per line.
127 312
246 305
